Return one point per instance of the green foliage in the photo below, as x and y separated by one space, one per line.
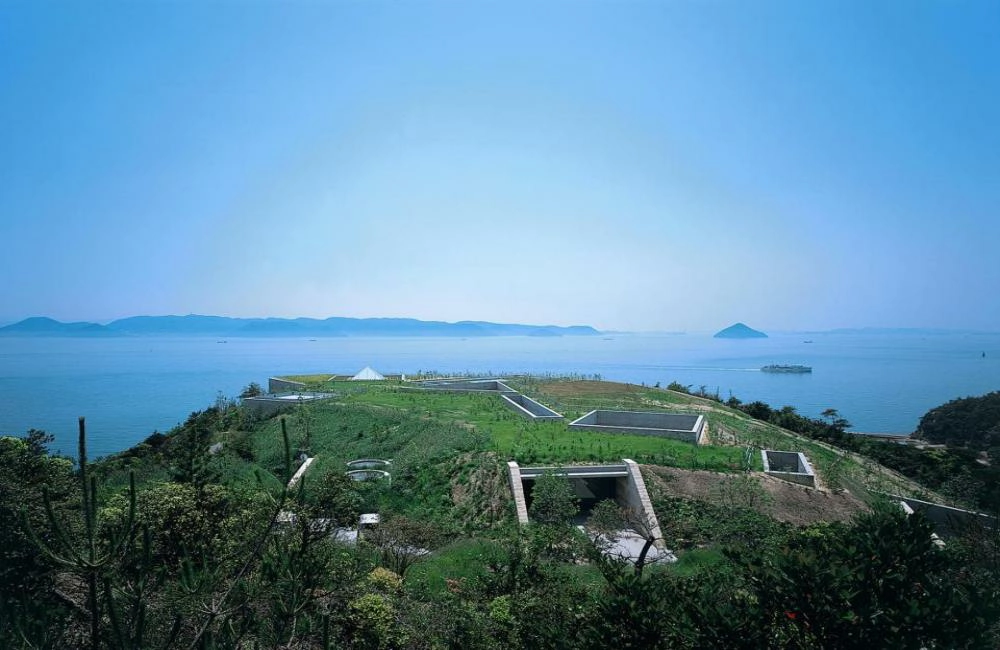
336 498
88 557
252 389
553 500
879 583
972 422
217 561
192 462
26 572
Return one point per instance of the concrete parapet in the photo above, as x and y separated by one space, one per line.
368 475
368 463
633 495
517 488
788 465
474 385
303 468
278 385
679 426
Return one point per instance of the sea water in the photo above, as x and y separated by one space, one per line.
131 386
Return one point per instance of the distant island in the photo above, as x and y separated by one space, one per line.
42 326
740 331
222 326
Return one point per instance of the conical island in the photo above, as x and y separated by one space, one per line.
740 331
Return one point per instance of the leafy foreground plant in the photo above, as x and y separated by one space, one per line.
117 570
880 583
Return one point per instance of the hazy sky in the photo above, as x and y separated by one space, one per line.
630 165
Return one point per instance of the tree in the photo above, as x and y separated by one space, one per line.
553 500
88 557
191 461
252 389
836 422
403 541
606 523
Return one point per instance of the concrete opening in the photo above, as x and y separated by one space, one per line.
679 426
788 465
592 483
589 490
622 483
529 408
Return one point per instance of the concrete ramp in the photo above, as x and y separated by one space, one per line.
529 408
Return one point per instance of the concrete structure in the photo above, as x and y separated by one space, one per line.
368 374
278 385
679 426
303 468
948 521
529 408
368 463
621 483
267 405
788 465
368 475
479 385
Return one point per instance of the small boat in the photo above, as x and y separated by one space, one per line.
787 369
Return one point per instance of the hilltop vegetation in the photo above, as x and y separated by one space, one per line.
191 539
969 422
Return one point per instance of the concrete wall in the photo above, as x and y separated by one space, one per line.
486 385
789 466
368 474
529 408
678 426
632 494
275 385
267 405
517 489
948 521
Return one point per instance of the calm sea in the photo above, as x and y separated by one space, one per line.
129 387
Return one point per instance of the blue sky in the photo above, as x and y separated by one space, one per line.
630 165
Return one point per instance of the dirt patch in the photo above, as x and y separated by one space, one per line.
589 388
795 504
482 495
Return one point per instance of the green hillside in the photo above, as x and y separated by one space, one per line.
209 549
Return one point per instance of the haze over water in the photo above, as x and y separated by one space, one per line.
129 387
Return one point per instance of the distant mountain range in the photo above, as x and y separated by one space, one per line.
222 326
41 326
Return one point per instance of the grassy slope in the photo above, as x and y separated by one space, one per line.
449 451
512 437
